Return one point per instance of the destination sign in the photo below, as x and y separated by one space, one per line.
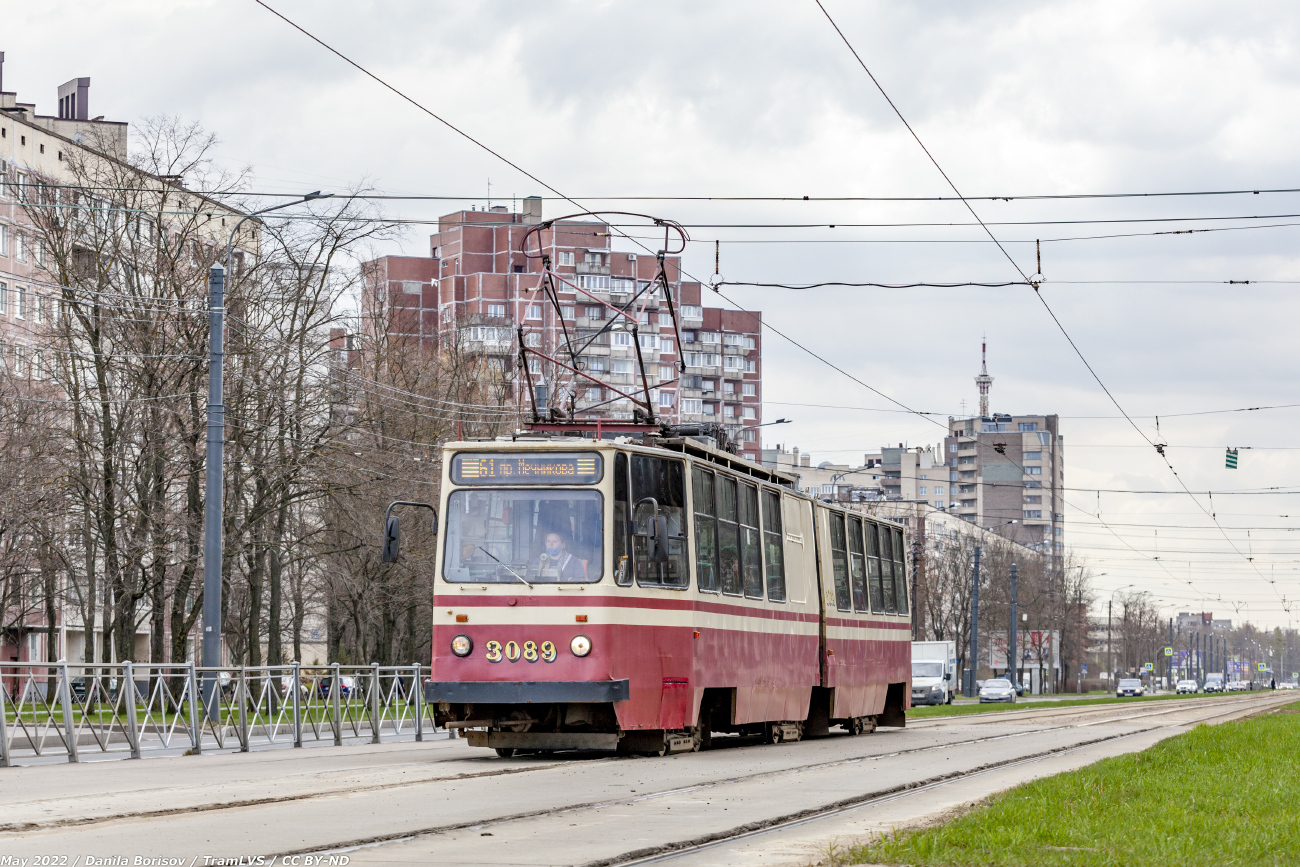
551 468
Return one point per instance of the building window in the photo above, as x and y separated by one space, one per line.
1044 438
750 343
665 319
728 411
1033 456
22 302
666 398
4 300
621 338
593 282
1028 426
751 366
594 394
921 491
497 311
952 447
595 313
594 258
666 372
1031 484
710 337
622 365
1034 501
938 504
692 311
1033 471
1033 513
532 338
692 406
20 241
749 389
749 413
938 489
533 311
4 240
566 311
648 341
564 257
665 344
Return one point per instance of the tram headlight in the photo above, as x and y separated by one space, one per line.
462 645
580 645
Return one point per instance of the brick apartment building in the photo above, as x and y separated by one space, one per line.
478 287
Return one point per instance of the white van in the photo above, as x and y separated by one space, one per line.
934 672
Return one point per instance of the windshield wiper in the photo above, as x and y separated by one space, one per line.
504 566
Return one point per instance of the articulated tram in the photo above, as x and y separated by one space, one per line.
646 593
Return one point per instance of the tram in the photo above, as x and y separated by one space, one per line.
645 593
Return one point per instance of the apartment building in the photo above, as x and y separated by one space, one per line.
479 288
37 155
1006 473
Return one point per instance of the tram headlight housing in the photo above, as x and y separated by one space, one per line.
580 645
462 645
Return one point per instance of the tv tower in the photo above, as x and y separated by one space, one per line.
984 381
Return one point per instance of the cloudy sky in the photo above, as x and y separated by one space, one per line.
683 99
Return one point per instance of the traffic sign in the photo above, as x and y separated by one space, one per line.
1261 665
1231 459
1169 651
1150 666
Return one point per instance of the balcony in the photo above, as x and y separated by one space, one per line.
589 268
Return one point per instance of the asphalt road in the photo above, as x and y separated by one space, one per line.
444 802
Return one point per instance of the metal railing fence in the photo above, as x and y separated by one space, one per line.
127 709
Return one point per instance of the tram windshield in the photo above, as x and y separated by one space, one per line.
505 536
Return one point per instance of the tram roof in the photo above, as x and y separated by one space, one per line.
691 446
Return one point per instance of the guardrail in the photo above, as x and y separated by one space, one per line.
126 709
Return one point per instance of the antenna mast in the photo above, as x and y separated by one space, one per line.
983 382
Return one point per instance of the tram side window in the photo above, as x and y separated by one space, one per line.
773 546
887 568
900 573
751 545
873 569
706 531
661 482
728 536
622 513
839 562
857 565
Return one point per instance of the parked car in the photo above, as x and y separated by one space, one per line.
347 685
997 689
1186 686
1129 686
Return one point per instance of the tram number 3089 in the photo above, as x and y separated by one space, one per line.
511 651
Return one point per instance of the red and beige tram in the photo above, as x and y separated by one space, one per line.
643 594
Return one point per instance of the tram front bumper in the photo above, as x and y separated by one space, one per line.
527 691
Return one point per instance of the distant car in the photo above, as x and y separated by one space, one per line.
1129 686
998 689
1186 686
347 685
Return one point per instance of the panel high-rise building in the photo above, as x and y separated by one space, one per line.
478 287
1007 473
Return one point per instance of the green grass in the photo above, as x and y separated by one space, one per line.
974 707
1217 795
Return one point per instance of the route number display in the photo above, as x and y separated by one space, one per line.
548 468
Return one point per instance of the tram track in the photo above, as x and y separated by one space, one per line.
679 849
991 716
684 848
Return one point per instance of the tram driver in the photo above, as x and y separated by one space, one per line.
557 564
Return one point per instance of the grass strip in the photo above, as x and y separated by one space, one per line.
963 709
1217 795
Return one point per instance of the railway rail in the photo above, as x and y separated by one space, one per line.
1213 710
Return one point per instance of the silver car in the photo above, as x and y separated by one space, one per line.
998 689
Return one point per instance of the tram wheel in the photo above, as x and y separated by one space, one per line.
855 726
703 738
505 752
771 733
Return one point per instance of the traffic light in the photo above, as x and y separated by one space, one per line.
1231 460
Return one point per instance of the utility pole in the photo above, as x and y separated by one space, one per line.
974 627
1012 658
213 494
1110 657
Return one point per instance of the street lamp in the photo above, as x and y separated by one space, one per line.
212 516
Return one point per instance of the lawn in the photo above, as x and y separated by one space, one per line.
1217 795
962 709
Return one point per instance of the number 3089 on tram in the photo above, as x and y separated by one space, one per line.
646 595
